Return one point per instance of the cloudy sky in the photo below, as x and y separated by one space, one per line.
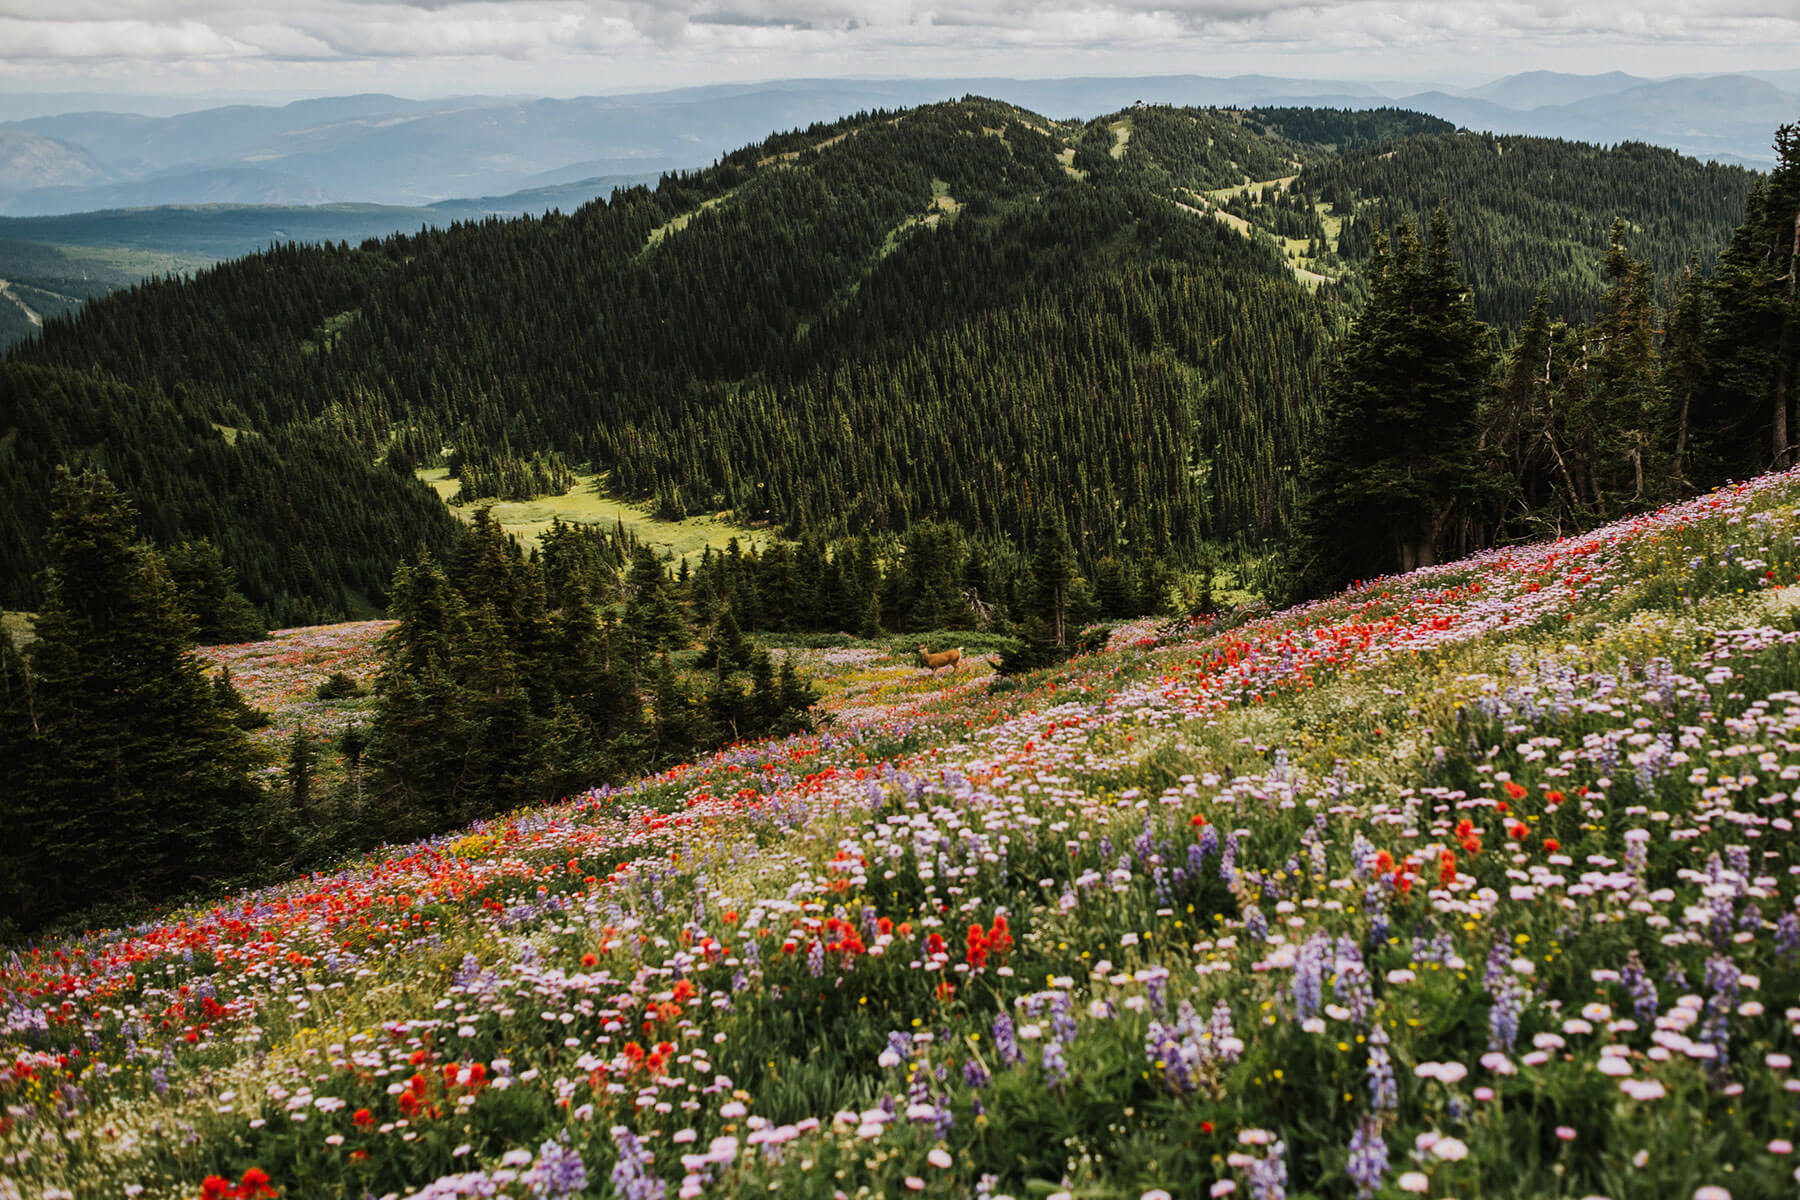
570 47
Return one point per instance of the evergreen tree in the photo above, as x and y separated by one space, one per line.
302 772
1052 574
1393 469
231 702
1626 423
651 614
417 739
1746 420
1684 361
19 746
149 782
209 591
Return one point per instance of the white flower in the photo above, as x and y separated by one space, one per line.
1222 1188
1413 1181
1450 1149
939 1157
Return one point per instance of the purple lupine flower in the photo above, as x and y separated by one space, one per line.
1267 1177
1062 1018
1224 1037
1209 844
559 1172
1722 981
1787 937
1228 859
631 1178
1368 1158
1499 962
1355 991
1375 908
1640 987
1056 1066
1255 924
1503 1016
1309 977
815 957
975 1074
1165 1050
1005 1044
1156 988
1384 1089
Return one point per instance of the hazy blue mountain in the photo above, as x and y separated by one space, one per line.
225 185
31 160
1540 89
379 149
1732 117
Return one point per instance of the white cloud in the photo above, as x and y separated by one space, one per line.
550 45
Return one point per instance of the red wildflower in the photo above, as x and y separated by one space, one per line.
1514 790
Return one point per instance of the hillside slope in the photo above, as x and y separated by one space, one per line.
1468 882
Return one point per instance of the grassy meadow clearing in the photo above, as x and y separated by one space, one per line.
585 504
1478 881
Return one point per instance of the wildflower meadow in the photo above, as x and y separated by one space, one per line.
1475 882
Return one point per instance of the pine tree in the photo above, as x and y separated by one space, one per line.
209 591
417 740
150 781
19 747
232 703
1052 574
1394 465
651 614
1684 360
1746 422
302 772
1627 407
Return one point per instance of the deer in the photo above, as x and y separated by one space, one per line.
948 658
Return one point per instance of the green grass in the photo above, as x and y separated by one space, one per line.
583 504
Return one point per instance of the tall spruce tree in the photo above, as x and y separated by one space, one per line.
1052 576
1745 420
138 781
417 740
1393 471
209 590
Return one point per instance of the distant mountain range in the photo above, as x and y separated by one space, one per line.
386 150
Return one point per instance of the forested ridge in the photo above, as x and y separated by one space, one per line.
964 312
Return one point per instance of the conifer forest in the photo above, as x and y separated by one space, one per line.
1221 651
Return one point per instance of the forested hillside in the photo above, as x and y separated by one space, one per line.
964 312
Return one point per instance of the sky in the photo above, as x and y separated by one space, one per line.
581 47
